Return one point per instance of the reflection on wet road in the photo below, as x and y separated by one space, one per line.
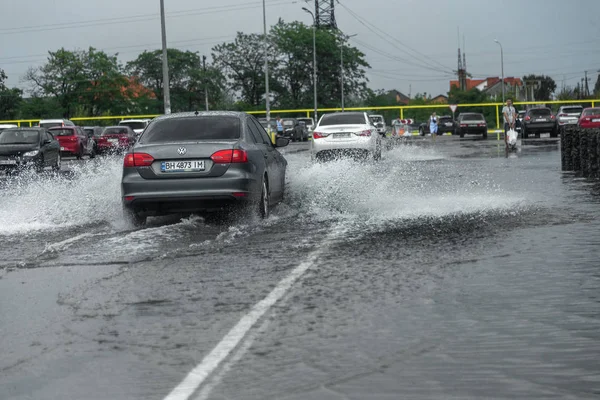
447 270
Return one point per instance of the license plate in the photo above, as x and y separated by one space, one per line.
8 162
341 135
544 135
448 123
182 166
62 149
474 125
596 120
541 120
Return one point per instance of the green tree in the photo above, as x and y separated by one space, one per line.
546 88
472 96
242 63
597 87
10 99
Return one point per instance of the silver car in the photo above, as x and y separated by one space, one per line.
569 115
201 162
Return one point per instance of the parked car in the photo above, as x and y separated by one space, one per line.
471 124
93 133
445 125
309 122
590 118
345 133
538 120
379 123
53 123
116 139
202 162
28 147
73 141
138 125
7 126
568 115
519 121
294 129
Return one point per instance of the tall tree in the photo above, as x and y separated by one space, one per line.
106 88
10 99
546 88
242 62
597 87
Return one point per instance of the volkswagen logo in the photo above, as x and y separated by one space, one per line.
182 151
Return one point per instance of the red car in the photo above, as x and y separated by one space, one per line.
590 118
73 141
115 139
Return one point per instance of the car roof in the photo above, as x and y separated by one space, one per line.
53 120
134 120
117 127
64 127
27 128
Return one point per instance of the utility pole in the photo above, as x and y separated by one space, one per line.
205 82
587 88
266 44
165 64
314 59
344 37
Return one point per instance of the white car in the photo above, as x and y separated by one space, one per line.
308 121
138 125
7 126
345 133
54 123
379 123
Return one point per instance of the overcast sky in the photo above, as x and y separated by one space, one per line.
411 45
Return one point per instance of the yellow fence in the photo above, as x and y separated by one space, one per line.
308 112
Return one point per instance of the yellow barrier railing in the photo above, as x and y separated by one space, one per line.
309 111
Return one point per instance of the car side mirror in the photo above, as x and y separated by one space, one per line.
46 141
282 142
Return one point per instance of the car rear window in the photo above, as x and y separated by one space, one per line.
63 132
115 131
50 124
592 111
133 125
542 112
572 110
343 119
288 123
192 128
472 117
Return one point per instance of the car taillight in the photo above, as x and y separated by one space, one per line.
363 133
73 138
463 125
229 156
527 118
562 115
137 160
318 135
552 116
480 124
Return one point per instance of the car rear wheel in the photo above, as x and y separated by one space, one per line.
93 152
421 132
524 133
462 134
80 154
263 205
39 166
554 133
485 135
134 218
57 165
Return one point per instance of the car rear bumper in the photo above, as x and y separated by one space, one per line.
473 131
544 126
166 196
568 121
69 148
367 144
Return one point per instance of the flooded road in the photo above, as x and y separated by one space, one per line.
448 270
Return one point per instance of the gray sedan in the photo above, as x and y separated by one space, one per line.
201 162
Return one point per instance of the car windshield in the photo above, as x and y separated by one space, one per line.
13 136
115 131
307 121
50 124
572 110
472 117
592 111
177 129
342 119
376 119
445 119
63 132
133 125
542 112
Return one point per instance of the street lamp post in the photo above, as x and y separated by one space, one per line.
266 44
502 66
165 64
342 65
314 60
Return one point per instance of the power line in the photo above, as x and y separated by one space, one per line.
137 18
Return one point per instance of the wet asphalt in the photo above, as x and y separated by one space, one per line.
448 270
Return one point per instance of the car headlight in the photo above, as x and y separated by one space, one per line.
31 153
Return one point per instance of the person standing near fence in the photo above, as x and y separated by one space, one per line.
433 124
510 118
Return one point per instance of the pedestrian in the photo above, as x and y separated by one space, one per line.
433 124
510 118
279 126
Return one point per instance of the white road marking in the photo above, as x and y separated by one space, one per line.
211 362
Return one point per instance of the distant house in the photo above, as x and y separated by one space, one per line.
440 99
471 83
493 86
400 97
